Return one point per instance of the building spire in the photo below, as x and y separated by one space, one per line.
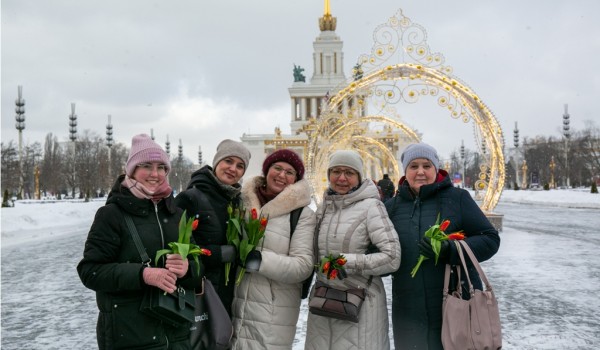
327 22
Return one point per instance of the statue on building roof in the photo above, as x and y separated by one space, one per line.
357 72
298 76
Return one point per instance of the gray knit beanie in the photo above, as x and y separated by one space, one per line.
145 150
419 150
230 148
347 158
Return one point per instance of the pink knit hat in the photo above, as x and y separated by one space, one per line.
288 156
145 150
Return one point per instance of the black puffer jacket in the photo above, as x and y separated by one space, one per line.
208 198
417 302
112 267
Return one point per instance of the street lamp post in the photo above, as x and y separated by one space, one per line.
109 144
567 135
20 125
73 138
462 157
552 165
516 143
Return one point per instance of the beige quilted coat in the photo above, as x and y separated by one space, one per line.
267 303
349 223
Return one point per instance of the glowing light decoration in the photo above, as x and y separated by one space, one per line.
402 69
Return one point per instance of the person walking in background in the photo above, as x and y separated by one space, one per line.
210 191
351 219
387 187
267 301
112 266
424 194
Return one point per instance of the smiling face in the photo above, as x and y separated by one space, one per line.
280 176
150 175
420 172
342 179
230 170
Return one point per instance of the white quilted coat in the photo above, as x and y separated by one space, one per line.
349 223
267 303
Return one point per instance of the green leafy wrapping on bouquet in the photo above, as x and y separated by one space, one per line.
255 231
183 246
234 233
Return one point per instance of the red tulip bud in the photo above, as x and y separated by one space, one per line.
457 236
263 222
444 225
195 225
206 252
254 214
341 261
326 267
333 274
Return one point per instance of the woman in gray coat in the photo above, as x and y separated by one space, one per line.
351 219
266 304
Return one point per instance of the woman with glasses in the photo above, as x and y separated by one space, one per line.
112 265
267 301
351 219
210 191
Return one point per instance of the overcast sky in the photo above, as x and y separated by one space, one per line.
202 71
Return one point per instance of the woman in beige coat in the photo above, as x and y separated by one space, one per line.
352 219
266 304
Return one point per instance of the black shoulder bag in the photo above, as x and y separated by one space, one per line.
177 308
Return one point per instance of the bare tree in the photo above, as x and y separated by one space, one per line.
10 167
51 179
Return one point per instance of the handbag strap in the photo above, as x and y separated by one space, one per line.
137 240
475 263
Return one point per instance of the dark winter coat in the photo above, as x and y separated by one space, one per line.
112 267
417 302
208 198
387 188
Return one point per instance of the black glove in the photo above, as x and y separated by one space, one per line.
228 253
427 250
253 261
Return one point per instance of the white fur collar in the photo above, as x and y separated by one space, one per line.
292 197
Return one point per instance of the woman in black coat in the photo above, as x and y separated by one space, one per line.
112 266
209 193
424 193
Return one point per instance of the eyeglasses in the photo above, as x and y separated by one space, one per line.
288 172
336 173
147 167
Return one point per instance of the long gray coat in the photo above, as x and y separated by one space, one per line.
266 304
348 225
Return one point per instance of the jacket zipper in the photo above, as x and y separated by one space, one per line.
162 236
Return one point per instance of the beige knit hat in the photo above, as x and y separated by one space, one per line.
347 158
230 148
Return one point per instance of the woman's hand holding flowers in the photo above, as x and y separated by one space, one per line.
426 248
176 264
161 278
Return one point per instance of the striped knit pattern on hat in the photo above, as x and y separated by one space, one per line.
419 150
346 158
230 148
288 156
145 150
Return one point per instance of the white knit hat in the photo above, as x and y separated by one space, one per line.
145 150
419 150
230 148
348 158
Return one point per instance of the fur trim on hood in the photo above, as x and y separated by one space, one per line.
294 196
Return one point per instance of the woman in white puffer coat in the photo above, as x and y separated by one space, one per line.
353 219
266 304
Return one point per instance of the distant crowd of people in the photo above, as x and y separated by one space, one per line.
377 228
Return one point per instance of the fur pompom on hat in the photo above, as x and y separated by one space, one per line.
288 156
348 158
419 150
230 148
145 150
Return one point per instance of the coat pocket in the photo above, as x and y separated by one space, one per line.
131 329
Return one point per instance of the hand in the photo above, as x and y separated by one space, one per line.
161 278
253 261
427 250
177 265
228 253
